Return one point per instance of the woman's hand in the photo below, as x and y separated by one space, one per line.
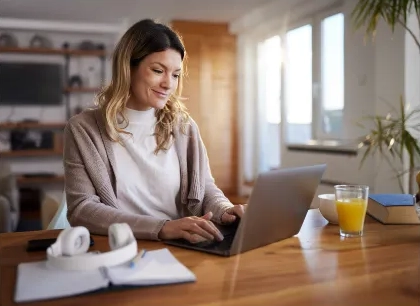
230 215
193 229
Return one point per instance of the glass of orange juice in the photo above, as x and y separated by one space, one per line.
351 203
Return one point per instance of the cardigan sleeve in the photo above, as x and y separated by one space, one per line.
214 200
86 179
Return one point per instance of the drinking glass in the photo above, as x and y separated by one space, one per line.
351 203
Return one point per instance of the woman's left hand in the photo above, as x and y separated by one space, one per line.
230 215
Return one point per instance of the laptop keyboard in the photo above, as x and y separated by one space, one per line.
223 245
213 246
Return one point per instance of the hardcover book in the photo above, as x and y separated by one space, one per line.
393 208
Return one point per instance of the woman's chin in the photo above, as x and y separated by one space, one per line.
159 104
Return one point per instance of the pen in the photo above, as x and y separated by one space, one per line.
137 258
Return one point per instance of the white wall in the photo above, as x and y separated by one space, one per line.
412 75
373 71
389 86
412 64
359 77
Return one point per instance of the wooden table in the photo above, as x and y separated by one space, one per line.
316 267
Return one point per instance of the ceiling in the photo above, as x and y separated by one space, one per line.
115 11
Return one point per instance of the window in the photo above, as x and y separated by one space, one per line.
332 74
314 79
269 58
269 102
298 82
291 86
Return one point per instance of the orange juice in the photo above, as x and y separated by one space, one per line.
351 214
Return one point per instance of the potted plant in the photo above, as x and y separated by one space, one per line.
391 135
367 13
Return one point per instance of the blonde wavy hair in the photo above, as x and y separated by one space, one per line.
140 40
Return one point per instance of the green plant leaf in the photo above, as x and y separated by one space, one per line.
390 137
368 12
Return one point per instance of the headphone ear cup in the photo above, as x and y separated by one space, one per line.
74 241
56 248
119 235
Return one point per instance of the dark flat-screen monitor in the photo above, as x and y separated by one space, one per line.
30 83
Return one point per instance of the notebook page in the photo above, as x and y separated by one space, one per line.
156 267
39 281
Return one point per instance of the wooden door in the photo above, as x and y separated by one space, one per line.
210 92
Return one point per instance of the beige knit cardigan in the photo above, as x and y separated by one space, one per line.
90 182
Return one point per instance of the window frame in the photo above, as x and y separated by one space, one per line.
315 21
258 43
293 26
319 132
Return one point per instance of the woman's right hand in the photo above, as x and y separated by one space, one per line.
193 229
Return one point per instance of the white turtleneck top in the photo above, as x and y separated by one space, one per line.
148 184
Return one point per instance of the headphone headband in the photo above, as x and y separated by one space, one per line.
69 251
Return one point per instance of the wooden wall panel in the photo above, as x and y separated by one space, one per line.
210 92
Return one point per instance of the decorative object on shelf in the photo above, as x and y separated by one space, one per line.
66 45
87 45
5 144
91 78
8 40
75 81
22 139
39 41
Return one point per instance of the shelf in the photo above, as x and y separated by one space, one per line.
82 89
30 153
46 51
32 125
32 51
23 180
86 52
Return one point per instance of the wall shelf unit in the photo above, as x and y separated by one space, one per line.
68 54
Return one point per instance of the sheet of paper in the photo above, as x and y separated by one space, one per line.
156 267
39 281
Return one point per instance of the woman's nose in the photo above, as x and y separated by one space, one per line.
167 82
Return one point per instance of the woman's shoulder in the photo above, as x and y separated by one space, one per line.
86 119
189 125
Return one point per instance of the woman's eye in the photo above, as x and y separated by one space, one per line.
176 76
158 71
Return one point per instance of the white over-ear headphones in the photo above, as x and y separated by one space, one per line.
69 250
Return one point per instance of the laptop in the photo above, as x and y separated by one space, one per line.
276 210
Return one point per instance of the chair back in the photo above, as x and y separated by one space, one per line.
59 221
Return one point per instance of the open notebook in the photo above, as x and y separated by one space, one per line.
39 281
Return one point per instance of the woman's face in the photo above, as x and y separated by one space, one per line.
154 80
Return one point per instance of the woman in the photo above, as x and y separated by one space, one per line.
139 158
